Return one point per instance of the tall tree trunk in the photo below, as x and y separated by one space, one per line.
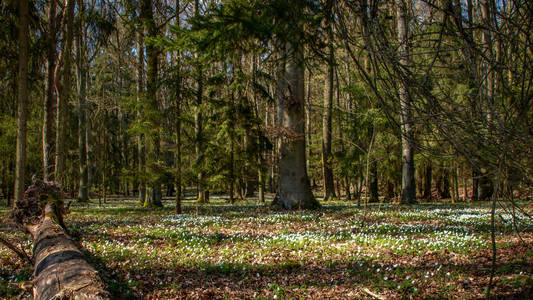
123 115
81 84
374 190
198 127
48 112
232 169
443 184
261 177
24 36
427 181
140 94
408 168
64 94
389 192
178 162
147 16
465 187
347 188
272 160
261 148
249 177
456 182
178 119
88 145
475 185
232 152
308 120
294 190
329 185
486 186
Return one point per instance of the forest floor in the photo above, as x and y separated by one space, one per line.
248 251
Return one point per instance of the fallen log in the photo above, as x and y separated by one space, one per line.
61 271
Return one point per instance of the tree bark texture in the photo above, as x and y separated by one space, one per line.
374 191
48 110
294 191
327 172
64 93
24 37
486 186
427 182
81 66
475 185
178 120
408 166
140 91
60 269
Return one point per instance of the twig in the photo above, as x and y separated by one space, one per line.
21 254
373 294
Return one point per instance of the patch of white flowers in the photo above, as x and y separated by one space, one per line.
190 220
192 238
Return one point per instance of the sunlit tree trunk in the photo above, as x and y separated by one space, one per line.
294 191
308 120
260 150
24 37
408 168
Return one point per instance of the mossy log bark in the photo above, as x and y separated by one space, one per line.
60 269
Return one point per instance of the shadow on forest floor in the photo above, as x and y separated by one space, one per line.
248 250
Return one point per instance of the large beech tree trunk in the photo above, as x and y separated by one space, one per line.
408 165
60 268
294 190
